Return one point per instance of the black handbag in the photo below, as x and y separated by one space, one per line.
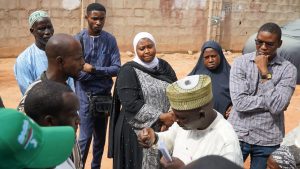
100 105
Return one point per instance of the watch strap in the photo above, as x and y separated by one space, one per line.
266 76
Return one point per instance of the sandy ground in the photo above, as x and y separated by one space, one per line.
182 64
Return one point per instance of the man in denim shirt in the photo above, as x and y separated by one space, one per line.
102 62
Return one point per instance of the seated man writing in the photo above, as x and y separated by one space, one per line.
199 130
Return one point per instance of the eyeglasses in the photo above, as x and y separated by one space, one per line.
268 44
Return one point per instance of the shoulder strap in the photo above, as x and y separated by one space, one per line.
81 42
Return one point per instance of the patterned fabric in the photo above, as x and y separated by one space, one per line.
257 113
156 102
128 100
36 16
21 105
292 140
284 158
190 92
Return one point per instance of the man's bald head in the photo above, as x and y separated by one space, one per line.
61 45
64 55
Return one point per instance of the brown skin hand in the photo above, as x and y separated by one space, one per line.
88 68
167 119
195 119
227 113
266 50
146 137
272 164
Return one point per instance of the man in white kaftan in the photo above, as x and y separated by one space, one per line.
199 129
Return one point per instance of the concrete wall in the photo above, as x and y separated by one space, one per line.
242 18
177 25
14 33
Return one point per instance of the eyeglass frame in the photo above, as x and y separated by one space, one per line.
259 42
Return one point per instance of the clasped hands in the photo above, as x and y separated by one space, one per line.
146 138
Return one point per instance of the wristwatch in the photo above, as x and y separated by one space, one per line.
267 76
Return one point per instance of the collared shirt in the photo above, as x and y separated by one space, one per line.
29 66
103 53
217 139
257 113
43 77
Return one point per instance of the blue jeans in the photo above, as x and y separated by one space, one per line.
92 126
259 154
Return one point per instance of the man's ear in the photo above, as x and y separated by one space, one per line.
31 30
59 59
201 114
279 43
86 17
49 121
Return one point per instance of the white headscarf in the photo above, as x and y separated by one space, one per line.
136 59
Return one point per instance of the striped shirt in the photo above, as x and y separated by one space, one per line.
257 114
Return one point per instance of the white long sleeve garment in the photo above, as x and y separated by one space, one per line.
218 139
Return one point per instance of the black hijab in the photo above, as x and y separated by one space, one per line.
219 77
163 72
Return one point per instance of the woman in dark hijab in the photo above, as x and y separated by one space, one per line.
212 62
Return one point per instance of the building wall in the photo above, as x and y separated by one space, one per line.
177 25
242 18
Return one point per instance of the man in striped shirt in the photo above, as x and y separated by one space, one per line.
261 86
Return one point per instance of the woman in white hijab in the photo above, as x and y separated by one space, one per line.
140 91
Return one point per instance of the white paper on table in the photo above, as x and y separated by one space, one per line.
164 151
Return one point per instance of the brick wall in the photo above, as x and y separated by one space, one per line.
177 25
242 18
